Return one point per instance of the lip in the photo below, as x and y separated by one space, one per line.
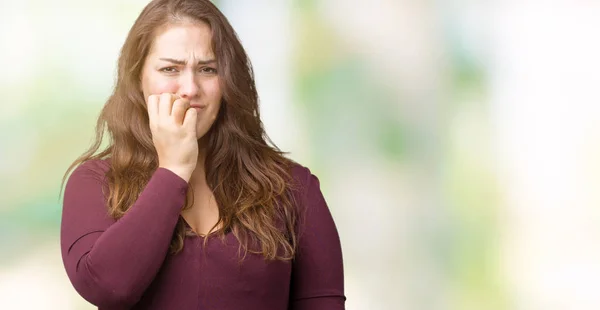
199 107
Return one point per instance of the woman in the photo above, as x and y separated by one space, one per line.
188 207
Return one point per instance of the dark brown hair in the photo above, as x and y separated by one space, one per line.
250 178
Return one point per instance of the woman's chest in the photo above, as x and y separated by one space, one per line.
216 275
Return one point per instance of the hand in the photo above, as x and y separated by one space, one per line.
173 127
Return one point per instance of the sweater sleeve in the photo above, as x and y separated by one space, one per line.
111 263
317 272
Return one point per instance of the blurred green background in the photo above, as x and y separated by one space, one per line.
457 142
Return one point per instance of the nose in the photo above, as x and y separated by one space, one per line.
188 87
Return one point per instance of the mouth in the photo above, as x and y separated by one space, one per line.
198 107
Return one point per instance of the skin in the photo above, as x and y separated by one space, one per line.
181 62
182 87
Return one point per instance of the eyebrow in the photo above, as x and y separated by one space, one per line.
184 62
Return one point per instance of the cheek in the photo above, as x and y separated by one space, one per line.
156 86
159 87
213 90
216 102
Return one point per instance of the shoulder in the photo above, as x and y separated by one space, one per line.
87 181
93 168
301 175
305 183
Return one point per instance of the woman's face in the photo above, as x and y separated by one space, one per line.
181 61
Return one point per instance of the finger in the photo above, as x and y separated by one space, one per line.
165 104
189 121
180 106
152 106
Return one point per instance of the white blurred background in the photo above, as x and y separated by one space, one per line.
457 142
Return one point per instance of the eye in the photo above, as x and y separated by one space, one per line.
208 70
168 70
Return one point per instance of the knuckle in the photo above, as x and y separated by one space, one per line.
178 103
183 102
165 97
152 98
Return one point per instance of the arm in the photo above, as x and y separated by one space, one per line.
317 272
110 263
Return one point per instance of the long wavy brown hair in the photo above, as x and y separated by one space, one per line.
250 179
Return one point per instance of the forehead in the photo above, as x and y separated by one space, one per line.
182 40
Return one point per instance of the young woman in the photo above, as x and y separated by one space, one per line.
188 207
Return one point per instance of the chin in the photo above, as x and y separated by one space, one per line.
201 133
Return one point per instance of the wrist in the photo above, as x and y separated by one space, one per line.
183 173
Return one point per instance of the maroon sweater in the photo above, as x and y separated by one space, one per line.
125 264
